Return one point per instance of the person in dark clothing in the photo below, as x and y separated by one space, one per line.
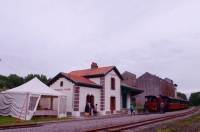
92 108
132 109
146 108
161 108
87 109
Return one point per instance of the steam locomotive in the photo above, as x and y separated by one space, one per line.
170 103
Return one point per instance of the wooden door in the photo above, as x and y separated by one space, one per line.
112 104
90 99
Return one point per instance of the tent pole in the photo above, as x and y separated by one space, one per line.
18 120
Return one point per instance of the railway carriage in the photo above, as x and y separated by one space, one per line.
169 102
184 104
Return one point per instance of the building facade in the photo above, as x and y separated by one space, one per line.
153 85
129 90
97 85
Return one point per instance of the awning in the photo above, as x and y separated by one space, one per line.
128 89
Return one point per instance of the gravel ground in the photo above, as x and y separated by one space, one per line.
84 124
181 124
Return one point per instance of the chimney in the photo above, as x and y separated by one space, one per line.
94 65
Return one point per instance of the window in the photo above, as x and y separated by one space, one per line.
112 83
61 83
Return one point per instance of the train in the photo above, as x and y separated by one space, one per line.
170 103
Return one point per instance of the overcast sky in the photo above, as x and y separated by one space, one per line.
52 36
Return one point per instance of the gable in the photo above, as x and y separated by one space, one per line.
77 80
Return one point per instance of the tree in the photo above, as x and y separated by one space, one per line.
42 78
182 95
194 99
15 80
4 89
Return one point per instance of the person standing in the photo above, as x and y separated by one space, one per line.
162 108
132 109
146 108
92 108
87 109
95 110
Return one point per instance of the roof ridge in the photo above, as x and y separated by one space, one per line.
92 69
68 75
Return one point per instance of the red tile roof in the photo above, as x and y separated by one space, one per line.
78 78
101 70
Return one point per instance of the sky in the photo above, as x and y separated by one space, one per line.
52 36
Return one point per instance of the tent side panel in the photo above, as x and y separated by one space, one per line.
12 104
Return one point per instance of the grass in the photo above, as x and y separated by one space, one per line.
181 124
139 107
168 130
8 120
170 122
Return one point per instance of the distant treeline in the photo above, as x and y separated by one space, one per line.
195 99
182 95
14 80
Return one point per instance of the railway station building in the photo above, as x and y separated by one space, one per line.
98 85
154 85
129 90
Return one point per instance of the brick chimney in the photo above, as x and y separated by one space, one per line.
94 65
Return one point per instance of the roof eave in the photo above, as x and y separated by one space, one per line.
94 75
118 73
88 85
59 75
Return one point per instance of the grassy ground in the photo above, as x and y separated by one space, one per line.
139 107
191 124
8 120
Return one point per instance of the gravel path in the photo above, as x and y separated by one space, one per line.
84 124
172 125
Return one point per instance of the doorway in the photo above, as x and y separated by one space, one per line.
90 99
112 104
124 101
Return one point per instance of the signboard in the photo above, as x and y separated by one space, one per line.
62 89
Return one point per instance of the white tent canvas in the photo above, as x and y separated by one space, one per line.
22 101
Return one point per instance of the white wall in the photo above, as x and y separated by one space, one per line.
108 92
66 89
128 100
96 80
84 91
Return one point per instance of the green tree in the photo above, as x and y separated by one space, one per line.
194 99
182 95
42 78
15 80
4 89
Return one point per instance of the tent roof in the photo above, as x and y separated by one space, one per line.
34 86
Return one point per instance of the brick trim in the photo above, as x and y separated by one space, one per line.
76 98
102 91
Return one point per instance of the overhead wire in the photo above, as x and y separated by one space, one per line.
8 66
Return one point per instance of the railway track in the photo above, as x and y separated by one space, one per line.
118 128
19 126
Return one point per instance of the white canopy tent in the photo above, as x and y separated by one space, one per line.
23 101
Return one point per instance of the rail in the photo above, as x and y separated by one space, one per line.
19 126
140 123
